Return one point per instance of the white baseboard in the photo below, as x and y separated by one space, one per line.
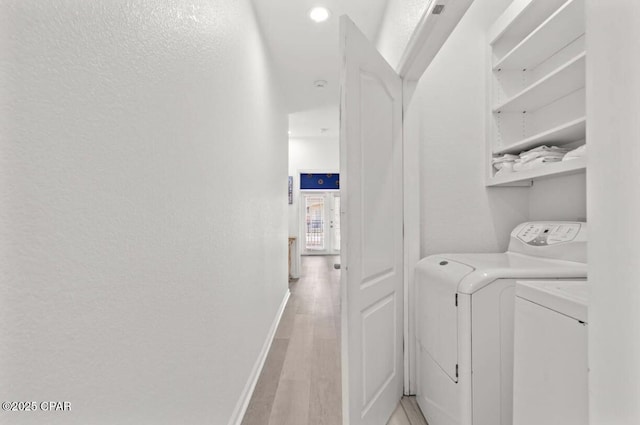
245 397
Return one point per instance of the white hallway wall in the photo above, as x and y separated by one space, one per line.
458 213
142 221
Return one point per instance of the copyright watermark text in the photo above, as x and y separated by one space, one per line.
34 406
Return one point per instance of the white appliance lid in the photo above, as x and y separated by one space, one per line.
570 298
489 267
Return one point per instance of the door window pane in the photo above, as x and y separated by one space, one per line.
314 215
336 223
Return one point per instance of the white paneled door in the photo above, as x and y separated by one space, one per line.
371 234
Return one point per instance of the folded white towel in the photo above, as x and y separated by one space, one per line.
504 161
505 158
504 167
578 152
545 148
543 152
527 160
534 163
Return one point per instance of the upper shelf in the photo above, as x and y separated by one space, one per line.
564 80
560 135
555 169
560 29
520 19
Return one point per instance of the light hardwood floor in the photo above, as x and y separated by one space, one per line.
407 413
300 383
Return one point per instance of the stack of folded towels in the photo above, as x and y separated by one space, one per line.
576 153
535 158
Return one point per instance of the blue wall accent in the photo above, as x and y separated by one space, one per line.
319 181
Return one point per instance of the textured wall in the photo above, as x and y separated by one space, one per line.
458 213
398 23
142 260
559 198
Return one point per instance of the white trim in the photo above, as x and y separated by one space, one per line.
411 220
429 35
245 397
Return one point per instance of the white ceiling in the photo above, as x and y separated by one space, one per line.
320 122
304 51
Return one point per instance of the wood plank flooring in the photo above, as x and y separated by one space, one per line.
300 383
407 413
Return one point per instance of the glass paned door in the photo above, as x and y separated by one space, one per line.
314 223
320 229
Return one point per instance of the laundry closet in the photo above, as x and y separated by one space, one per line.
502 111
501 121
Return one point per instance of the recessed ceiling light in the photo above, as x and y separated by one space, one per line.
319 14
289 132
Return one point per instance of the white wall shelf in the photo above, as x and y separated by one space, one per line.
560 29
554 169
522 17
537 62
564 80
560 135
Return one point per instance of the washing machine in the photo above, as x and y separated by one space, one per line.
465 318
550 353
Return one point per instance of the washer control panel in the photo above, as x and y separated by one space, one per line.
545 234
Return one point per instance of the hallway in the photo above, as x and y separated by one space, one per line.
300 382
